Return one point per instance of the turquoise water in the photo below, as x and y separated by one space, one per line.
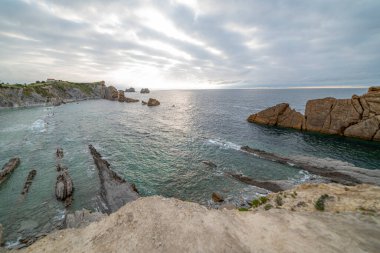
160 149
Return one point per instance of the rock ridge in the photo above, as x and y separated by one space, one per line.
358 117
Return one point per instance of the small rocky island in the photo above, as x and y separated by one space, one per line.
358 117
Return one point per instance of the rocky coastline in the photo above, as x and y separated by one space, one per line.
358 117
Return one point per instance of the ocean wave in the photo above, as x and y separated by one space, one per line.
38 126
224 144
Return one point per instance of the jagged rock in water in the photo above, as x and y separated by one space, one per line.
144 90
357 117
153 102
144 103
121 96
59 153
130 90
111 93
28 181
267 185
210 164
82 218
8 168
217 197
114 190
131 100
64 187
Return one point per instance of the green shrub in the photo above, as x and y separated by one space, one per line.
267 207
258 202
279 201
243 209
320 204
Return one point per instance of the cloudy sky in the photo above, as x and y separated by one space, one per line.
192 44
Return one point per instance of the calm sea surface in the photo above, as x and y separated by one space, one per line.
160 149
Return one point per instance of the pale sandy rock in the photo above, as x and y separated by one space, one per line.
290 118
156 224
342 115
268 116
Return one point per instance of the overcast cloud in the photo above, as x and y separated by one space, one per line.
192 44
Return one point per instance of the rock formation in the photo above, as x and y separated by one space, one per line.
1 235
111 93
210 164
144 90
357 117
28 182
121 96
82 218
64 185
130 90
114 190
153 102
267 185
131 100
143 102
217 197
8 168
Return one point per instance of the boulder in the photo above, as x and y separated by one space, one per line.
121 96
216 197
153 102
291 119
143 102
111 93
366 129
130 90
144 90
8 168
268 116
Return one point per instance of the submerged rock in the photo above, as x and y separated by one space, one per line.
210 164
82 218
267 185
357 117
217 197
144 90
131 100
8 168
153 102
28 182
114 190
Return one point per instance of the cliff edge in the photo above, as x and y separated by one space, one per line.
358 117
157 224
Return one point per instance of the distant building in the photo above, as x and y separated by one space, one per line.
50 80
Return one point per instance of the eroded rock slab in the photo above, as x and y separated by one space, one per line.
114 190
8 168
28 182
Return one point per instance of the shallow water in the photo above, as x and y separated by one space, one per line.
160 149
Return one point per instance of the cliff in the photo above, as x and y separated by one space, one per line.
52 93
357 117
348 223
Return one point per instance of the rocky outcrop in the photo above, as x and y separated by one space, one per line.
217 197
8 168
267 185
111 93
114 190
153 102
28 182
64 185
54 93
121 96
144 90
357 117
144 103
130 90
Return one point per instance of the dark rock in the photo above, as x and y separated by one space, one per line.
59 153
114 190
1 234
64 187
29 181
153 102
216 197
130 90
268 185
8 168
121 97
210 164
131 100
145 90
144 103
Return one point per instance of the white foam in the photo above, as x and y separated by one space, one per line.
38 126
224 144
12 244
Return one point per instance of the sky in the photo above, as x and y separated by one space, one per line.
190 44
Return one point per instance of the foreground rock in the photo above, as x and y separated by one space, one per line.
114 190
8 168
153 102
273 186
157 224
82 218
357 117
217 197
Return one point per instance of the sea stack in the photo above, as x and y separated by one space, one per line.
357 117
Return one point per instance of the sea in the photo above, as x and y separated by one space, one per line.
159 149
